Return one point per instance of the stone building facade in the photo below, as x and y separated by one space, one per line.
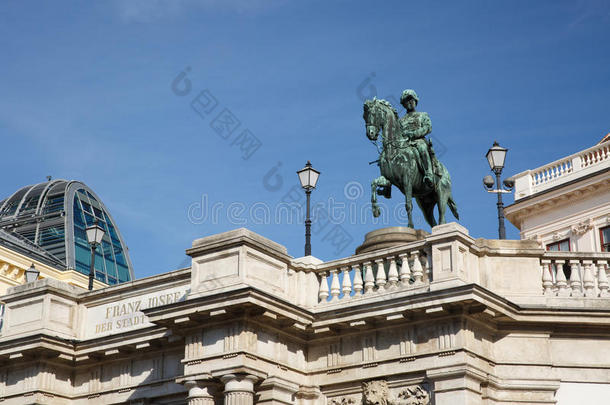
565 205
435 319
445 319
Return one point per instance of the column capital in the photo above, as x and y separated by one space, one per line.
239 382
239 388
201 391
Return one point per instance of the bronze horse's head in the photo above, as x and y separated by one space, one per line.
376 116
371 119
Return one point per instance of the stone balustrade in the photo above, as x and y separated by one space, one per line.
563 170
595 155
403 267
575 274
552 171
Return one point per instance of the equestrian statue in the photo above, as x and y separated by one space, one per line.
407 159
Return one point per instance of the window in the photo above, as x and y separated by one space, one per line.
604 237
561 246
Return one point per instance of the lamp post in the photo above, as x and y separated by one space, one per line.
495 157
308 176
95 233
31 274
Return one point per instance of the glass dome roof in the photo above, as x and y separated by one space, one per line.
54 215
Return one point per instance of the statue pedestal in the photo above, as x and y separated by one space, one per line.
388 237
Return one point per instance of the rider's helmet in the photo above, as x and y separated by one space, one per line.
407 94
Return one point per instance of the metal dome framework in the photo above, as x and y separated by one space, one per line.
54 215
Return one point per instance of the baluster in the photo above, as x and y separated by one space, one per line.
380 280
346 285
426 267
392 272
588 278
405 271
369 280
560 277
547 279
602 278
334 285
357 280
575 282
323 294
417 268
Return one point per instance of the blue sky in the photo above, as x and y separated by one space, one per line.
87 94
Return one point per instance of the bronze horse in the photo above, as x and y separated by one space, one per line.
398 166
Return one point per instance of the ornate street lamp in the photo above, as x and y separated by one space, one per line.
495 157
308 176
95 233
31 274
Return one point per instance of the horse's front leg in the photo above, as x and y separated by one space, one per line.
379 182
374 206
409 203
442 207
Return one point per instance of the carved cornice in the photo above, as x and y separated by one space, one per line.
554 199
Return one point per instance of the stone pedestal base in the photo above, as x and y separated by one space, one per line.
388 237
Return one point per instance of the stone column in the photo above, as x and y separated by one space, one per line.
239 389
199 393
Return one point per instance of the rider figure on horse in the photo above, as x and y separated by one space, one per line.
415 126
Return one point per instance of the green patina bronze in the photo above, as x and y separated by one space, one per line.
407 159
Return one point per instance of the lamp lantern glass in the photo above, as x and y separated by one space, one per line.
495 156
308 176
95 233
31 274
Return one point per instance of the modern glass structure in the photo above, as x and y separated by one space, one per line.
53 215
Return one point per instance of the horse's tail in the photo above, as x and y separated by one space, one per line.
453 207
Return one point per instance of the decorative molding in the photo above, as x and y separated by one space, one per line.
369 347
536 238
193 347
446 336
343 401
378 393
157 368
407 344
334 354
415 395
95 377
582 227
559 236
231 340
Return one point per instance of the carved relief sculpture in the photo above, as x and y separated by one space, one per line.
378 393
